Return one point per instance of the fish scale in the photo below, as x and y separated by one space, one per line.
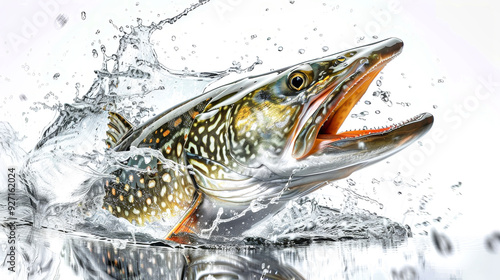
160 192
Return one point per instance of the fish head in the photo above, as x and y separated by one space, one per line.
284 127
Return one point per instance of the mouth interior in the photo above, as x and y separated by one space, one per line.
332 124
328 132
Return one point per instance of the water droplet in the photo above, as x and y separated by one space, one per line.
397 181
84 15
94 53
456 186
406 273
375 181
56 76
442 243
325 48
23 97
493 243
440 81
375 37
176 48
103 48
351 182
302 51
390 119
292 1
61 21
367 102
173 38
377 112
98 31
379 83
253 36
354 116
435 106
280 48
364 113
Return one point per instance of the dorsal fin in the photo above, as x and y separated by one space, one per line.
118 128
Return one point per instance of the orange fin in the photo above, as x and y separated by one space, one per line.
180 232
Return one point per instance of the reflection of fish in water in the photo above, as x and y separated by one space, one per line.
254 144
99 260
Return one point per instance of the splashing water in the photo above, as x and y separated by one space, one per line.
58 174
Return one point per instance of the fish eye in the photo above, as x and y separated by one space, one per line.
297 81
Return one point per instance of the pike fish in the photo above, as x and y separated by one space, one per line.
242 150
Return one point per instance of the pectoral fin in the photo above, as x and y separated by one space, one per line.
188 224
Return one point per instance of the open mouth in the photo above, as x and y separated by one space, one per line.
352 95
337 106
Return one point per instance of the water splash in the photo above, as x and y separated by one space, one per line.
305 220
130 81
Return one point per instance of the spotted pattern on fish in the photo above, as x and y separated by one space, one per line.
97 259
143 197
102 259
161 191
221 144
207 138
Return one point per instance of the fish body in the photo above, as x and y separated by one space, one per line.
241 151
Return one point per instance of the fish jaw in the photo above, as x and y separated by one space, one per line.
339 158
322 153
330 105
